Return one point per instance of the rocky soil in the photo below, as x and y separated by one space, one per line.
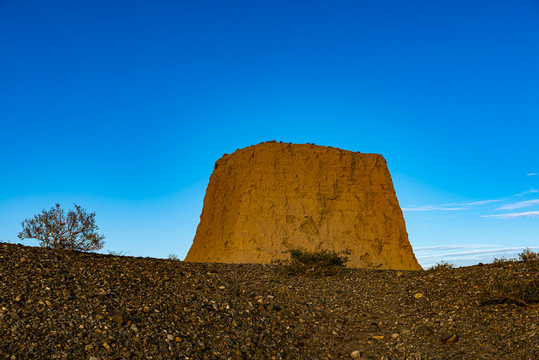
61 304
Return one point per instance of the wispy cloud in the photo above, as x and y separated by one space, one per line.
432 208
451 247
475 252
483 202
449 207
531 191
531 174
474 204
462 255
527 214
519 205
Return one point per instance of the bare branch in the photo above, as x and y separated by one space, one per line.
76 231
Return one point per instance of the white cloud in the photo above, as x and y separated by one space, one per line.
531 174
476 203
464 255
531 191
475 252
451 247
432 208
519 205
527 214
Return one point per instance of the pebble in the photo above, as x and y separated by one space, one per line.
356 354
14 315
418 296
451 339
118 318
424 330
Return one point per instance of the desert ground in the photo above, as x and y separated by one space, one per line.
74 305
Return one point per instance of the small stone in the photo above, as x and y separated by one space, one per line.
239 354
356 354
418 296
451 339
424 330
394 336
88 347
134 328
171 337
118 318
14 315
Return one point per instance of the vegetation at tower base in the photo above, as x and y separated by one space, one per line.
315 263
54 229
270 198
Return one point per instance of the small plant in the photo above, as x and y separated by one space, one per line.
316 263
443 265
503 260
173 257
116 253
528 255
75 231
521 292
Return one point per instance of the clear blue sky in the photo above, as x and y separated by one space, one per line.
124 106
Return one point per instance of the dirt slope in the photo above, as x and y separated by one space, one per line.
87 306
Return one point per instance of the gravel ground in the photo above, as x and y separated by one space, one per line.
63 304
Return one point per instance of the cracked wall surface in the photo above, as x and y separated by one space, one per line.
268 198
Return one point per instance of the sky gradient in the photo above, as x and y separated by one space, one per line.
124 107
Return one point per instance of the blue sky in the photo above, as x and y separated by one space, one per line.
124 106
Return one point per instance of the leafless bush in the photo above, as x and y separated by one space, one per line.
54 229
443 265
173 257
317 263
528 255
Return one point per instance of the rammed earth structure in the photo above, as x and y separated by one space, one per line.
268 198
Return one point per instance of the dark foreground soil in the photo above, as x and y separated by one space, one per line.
59 304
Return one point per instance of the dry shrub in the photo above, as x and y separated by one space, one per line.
56 230
315 263
443 265
528 255
522 291
173 257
